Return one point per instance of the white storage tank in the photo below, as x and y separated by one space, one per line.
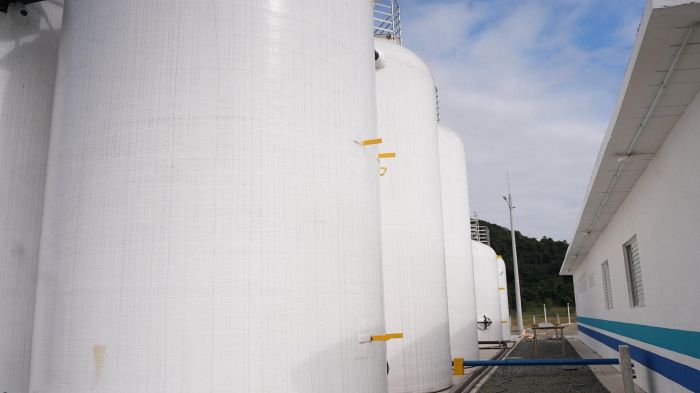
503 296
488 300
211 221
29 38
413 255
464 342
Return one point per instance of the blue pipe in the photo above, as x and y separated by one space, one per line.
541 362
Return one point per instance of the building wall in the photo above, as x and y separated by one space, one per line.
662 210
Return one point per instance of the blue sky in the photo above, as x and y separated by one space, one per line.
529 86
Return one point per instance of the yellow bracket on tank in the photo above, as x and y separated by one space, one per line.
382 170
375 141
458 365
387 337
501 289
386 155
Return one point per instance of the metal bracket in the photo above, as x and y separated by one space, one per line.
386 337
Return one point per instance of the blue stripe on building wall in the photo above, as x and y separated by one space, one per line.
679 373
682 341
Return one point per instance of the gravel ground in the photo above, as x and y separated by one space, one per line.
542 379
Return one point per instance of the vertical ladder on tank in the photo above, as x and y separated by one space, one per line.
480 233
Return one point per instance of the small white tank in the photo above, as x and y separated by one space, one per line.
464 342
29 38
488 299
503 291
413 254
212 218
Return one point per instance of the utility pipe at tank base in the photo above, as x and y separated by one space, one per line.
468 383
503 342
541 362
624 360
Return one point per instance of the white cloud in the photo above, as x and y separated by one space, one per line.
525 96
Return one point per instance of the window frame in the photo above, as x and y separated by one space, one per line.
607 285
635 282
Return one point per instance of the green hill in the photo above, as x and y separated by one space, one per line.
539 262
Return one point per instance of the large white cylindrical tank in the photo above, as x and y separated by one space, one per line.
488 300
29 38
413 255
211 221
464 342
503 296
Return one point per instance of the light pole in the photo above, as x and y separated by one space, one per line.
518 307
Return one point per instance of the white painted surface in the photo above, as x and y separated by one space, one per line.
503 297
28 54
672 3
413 256
488 300
211 224
662 211
661 31
461 300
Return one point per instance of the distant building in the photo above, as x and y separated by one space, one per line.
634 255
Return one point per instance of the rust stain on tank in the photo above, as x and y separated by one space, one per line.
98 354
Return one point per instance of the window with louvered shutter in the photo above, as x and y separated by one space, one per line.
581 284
634 272
607 289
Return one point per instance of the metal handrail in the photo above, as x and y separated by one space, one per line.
480 233
387 20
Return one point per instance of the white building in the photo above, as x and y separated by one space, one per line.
633 256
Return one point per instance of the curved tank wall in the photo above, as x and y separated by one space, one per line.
29 38
503 297
461 301
413 256
488 301
211 222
